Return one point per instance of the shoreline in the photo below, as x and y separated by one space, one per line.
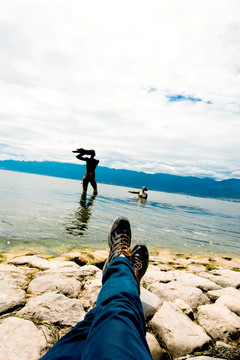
165 259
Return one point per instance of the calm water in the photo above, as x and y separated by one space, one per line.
46 212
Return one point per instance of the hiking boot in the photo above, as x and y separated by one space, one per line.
119 240
140 259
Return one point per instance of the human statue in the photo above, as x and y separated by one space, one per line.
91 164
141 193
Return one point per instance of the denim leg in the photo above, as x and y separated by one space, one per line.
118 329
71 345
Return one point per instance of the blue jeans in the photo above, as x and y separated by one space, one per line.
114 329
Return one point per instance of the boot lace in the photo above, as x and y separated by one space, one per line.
124 247
137 263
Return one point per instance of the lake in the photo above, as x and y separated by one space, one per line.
47 213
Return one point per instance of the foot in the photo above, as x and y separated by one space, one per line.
119 240
140 259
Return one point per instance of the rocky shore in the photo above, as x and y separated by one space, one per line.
191 303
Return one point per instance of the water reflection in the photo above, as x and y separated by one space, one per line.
141 202
79 223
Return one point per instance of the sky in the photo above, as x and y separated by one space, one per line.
151 85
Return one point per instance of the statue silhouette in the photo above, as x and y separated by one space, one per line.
91 164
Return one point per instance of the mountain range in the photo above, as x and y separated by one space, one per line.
188 185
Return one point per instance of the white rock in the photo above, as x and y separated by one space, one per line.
162 260
175 290
184 307
78 272
222 344
61 262
12 274
41 263
56 308
154 346
218 321
31 260
215 294
221 280
89 270
150 303
231 302
11 296
177 331
196 268
156 275
56 283
92 290
20 339
228 273
197 281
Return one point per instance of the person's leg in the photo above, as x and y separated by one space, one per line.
115 329
71 345
118 329
94 185
85 182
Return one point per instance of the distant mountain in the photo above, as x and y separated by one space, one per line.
189 185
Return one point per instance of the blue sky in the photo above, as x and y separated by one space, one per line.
151 85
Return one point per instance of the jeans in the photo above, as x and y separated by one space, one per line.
115 328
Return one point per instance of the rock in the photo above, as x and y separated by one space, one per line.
11 297
55 283
12 274
177 331
197 281
215 294
100 256
31 260
55 308
231 302
218 321
85 257
41 263
196 268
154 346
186 278
89 270
20 339
150 303
228 273
176 290
221 280
91 292
156 275
186 309
78 272
162 260
222 344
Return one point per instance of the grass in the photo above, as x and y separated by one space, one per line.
2 258
210 267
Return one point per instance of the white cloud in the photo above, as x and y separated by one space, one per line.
75 73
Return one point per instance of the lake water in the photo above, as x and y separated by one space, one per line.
47 213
